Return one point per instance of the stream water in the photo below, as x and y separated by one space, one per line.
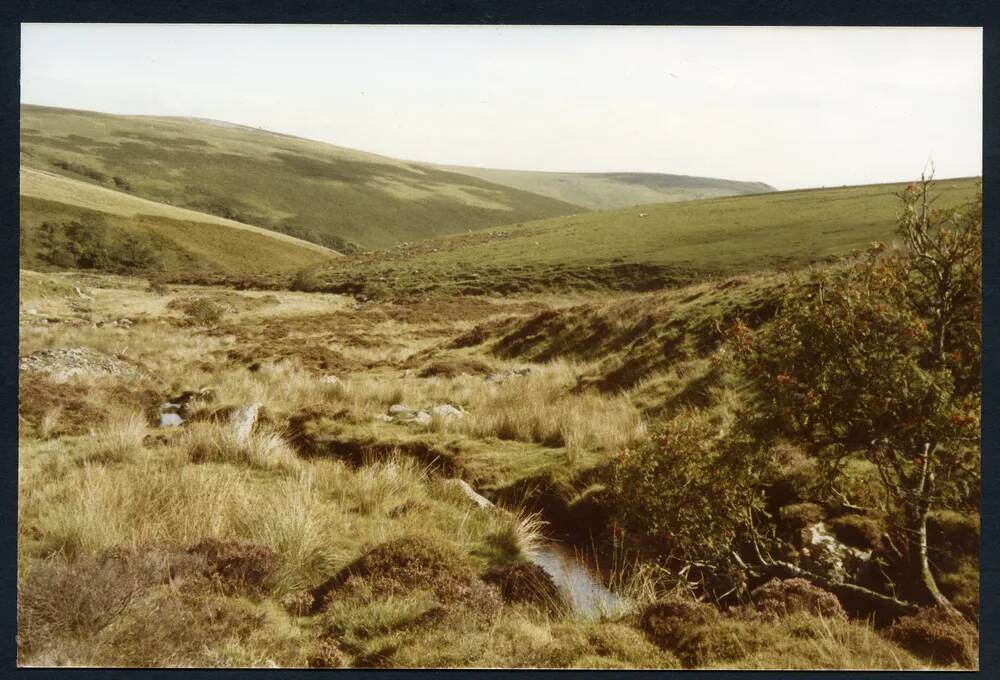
580 582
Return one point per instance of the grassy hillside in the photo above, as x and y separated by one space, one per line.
157 237
643 249
604 190
337 197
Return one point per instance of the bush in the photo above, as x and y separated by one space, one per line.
668 621
685 493
859 531
780 598
201 311
58 599
938 636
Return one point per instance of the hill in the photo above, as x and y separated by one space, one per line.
124 231
337 197
643 249
605 190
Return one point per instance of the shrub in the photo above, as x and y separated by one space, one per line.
685 493
59 599
668 621
779 598
939 636
202 312
859 531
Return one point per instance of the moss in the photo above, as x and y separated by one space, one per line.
859 531
793 518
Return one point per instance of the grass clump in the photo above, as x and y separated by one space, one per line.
526 583
939 636
220 443
797 642
409 563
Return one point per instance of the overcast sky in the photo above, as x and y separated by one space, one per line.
794 107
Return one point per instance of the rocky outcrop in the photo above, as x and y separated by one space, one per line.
68 362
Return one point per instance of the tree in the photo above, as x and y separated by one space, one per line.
880 358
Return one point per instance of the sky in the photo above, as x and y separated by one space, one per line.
793 107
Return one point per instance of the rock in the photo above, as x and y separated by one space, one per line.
330 380
402 414
170 420
31 310
464 487
447 412
384 418
243 419
71 361
823 554
504 376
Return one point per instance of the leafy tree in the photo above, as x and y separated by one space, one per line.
881 359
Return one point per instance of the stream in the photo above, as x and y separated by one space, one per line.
581 583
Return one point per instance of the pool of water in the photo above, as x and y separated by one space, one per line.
580 582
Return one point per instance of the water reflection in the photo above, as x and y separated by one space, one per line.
582 585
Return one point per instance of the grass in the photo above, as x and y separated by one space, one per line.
185 243
324 481
337 197
657 246
608 190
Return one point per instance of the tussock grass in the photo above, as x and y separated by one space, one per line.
119 438
218 443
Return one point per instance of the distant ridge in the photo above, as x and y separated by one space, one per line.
604 190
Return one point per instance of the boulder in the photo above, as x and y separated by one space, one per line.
822 553
464 487
243 419
170 420
447 412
